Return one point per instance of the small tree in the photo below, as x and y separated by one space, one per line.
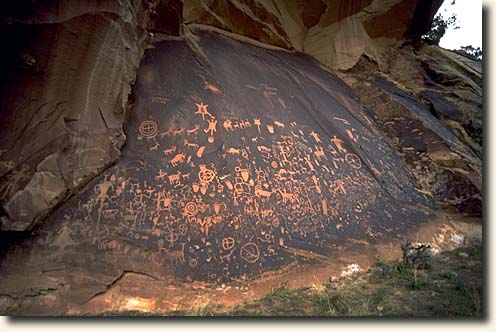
438 28
475 53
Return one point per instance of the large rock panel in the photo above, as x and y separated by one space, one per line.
240 162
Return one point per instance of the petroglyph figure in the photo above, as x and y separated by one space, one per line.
166 133
161 175
250 252
258 123
233 151
102 195
227 125
170 150
148 128
212 127
316 137
155 147
199 152
190 145
338 143
262 193
193 130
205 175
202 110
178 158
353 160
176 256
175 179
178 132
164 201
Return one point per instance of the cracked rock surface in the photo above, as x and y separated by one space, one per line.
64 95
251 143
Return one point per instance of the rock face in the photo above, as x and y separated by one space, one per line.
64 94
226 162
214 187
335 32
78 101
437 126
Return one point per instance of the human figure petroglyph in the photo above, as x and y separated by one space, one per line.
161 246
316 183
164 201
316 137
351 136
338 143
258 123
171 237
102 194
161 175
202 110
319 152
212 127
309 162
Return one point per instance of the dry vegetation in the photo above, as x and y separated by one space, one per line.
450 286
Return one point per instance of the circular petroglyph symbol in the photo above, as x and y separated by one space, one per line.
249 252
205 175
193 262
353 160
148 128
275 221
190 209
228 243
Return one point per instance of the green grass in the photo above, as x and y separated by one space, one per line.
450 287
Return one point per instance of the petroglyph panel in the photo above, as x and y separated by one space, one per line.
226 183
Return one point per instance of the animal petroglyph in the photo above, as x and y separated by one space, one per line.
176 256
190 145
170 150
178 158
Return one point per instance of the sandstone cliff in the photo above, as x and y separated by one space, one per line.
152 143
